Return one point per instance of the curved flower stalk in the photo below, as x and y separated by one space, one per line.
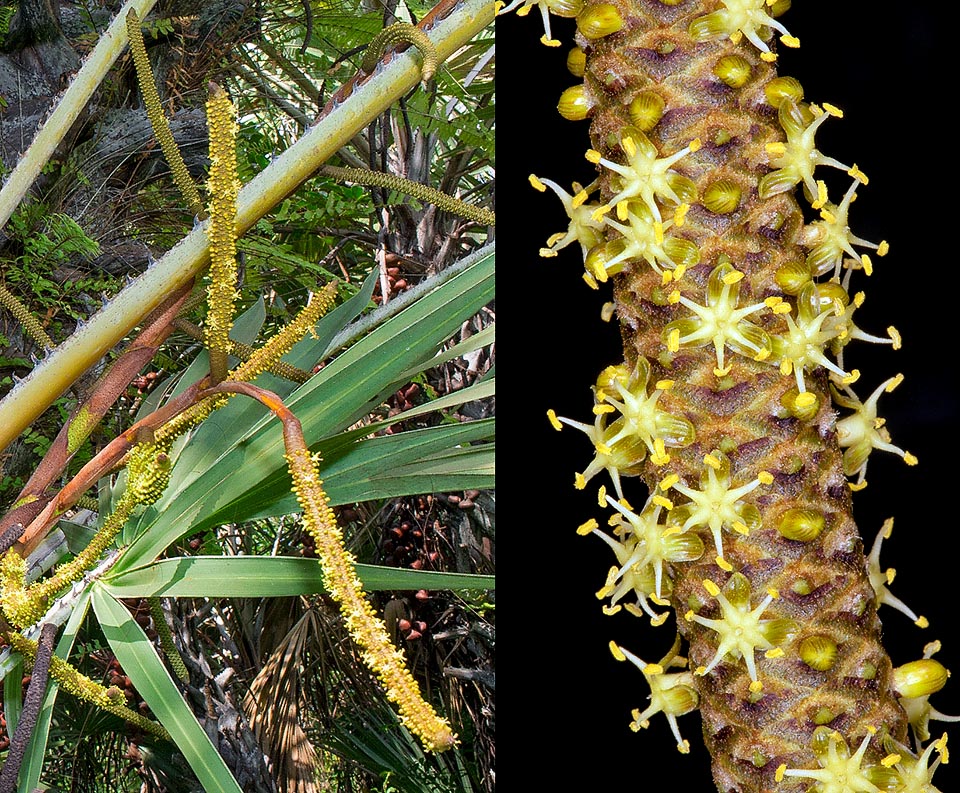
771 415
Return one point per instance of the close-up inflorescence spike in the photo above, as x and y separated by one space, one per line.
728 249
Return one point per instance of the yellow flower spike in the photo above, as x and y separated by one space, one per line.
340 580
82 687
161 127
224 187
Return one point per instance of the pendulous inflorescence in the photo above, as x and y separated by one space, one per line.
730 242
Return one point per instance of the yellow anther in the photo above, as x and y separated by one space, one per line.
783 308
678 273
669 481
756 686
659 601
712 461
664 385
781 769
689 615
549 42
828 216
593 156
579 199
599 410
857 174
608 610
857 486
666 503
723 564
554 422
599 212
629 146
657 621
653 669
922 622
767 57
867 264
722 372
786 366
883 248
790 41
851 378
762 355
666 278
890 760
606 311
623 211
579 481
773 302
553 239
765 477
833 110
776 652
776 148
740 527
536 183
674 297
602 448
858 299
806 399
679 216
658 233
590 281
669 532
602 496
821 194
673 340
774 593
616 652
711 587
700 671
586 528
894 382
909 459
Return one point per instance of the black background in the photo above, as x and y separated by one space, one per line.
891 75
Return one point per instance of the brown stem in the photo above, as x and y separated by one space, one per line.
32 703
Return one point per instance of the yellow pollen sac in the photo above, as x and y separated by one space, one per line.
711 587
616 652
586 528
536 183
723 564
554 422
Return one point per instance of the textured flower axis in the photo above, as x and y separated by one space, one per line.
740 629
743 18
862 432
800 123
646 175
720 321
671 694
583 228
716 505
644 545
